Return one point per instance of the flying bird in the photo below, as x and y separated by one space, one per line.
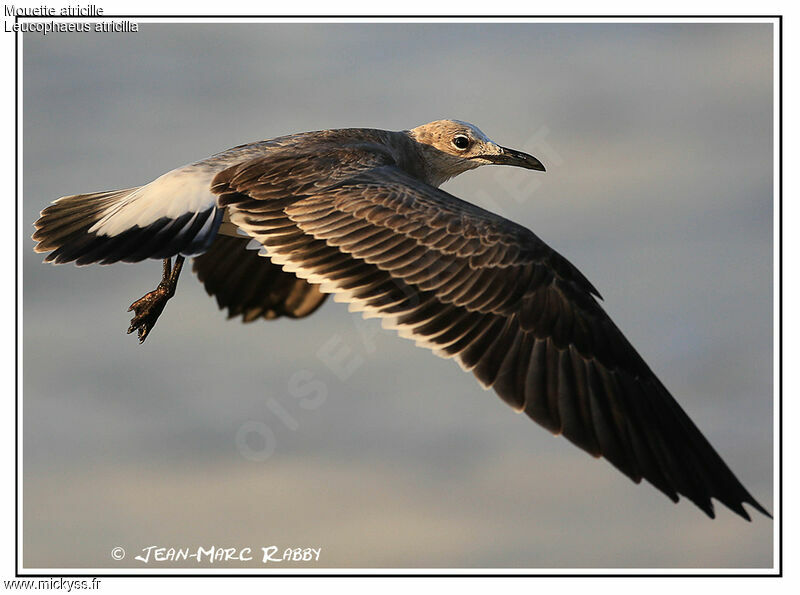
275 226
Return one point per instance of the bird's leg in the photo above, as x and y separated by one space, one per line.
149 307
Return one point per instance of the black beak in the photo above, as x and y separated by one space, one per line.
515 158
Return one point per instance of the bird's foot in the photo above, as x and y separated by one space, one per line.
150 306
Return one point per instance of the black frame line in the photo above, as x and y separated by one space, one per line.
449 18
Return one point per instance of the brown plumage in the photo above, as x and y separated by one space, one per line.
250 286
357 213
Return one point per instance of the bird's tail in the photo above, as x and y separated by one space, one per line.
63 227
71 229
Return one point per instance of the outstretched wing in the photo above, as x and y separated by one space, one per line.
471 285
252 287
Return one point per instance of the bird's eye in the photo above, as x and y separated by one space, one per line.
461 142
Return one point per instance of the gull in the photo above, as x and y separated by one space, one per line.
275 226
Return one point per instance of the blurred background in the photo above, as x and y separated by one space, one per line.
658 143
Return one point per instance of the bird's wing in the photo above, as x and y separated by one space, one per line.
251 286
471 285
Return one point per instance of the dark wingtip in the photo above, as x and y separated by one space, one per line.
752 502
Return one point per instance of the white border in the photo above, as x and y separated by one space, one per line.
100 572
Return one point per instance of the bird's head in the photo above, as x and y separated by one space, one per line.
451 147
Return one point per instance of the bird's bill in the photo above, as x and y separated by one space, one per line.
516 158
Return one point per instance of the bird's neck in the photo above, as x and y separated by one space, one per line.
431 165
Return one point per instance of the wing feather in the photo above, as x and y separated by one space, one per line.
252 287
471 285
